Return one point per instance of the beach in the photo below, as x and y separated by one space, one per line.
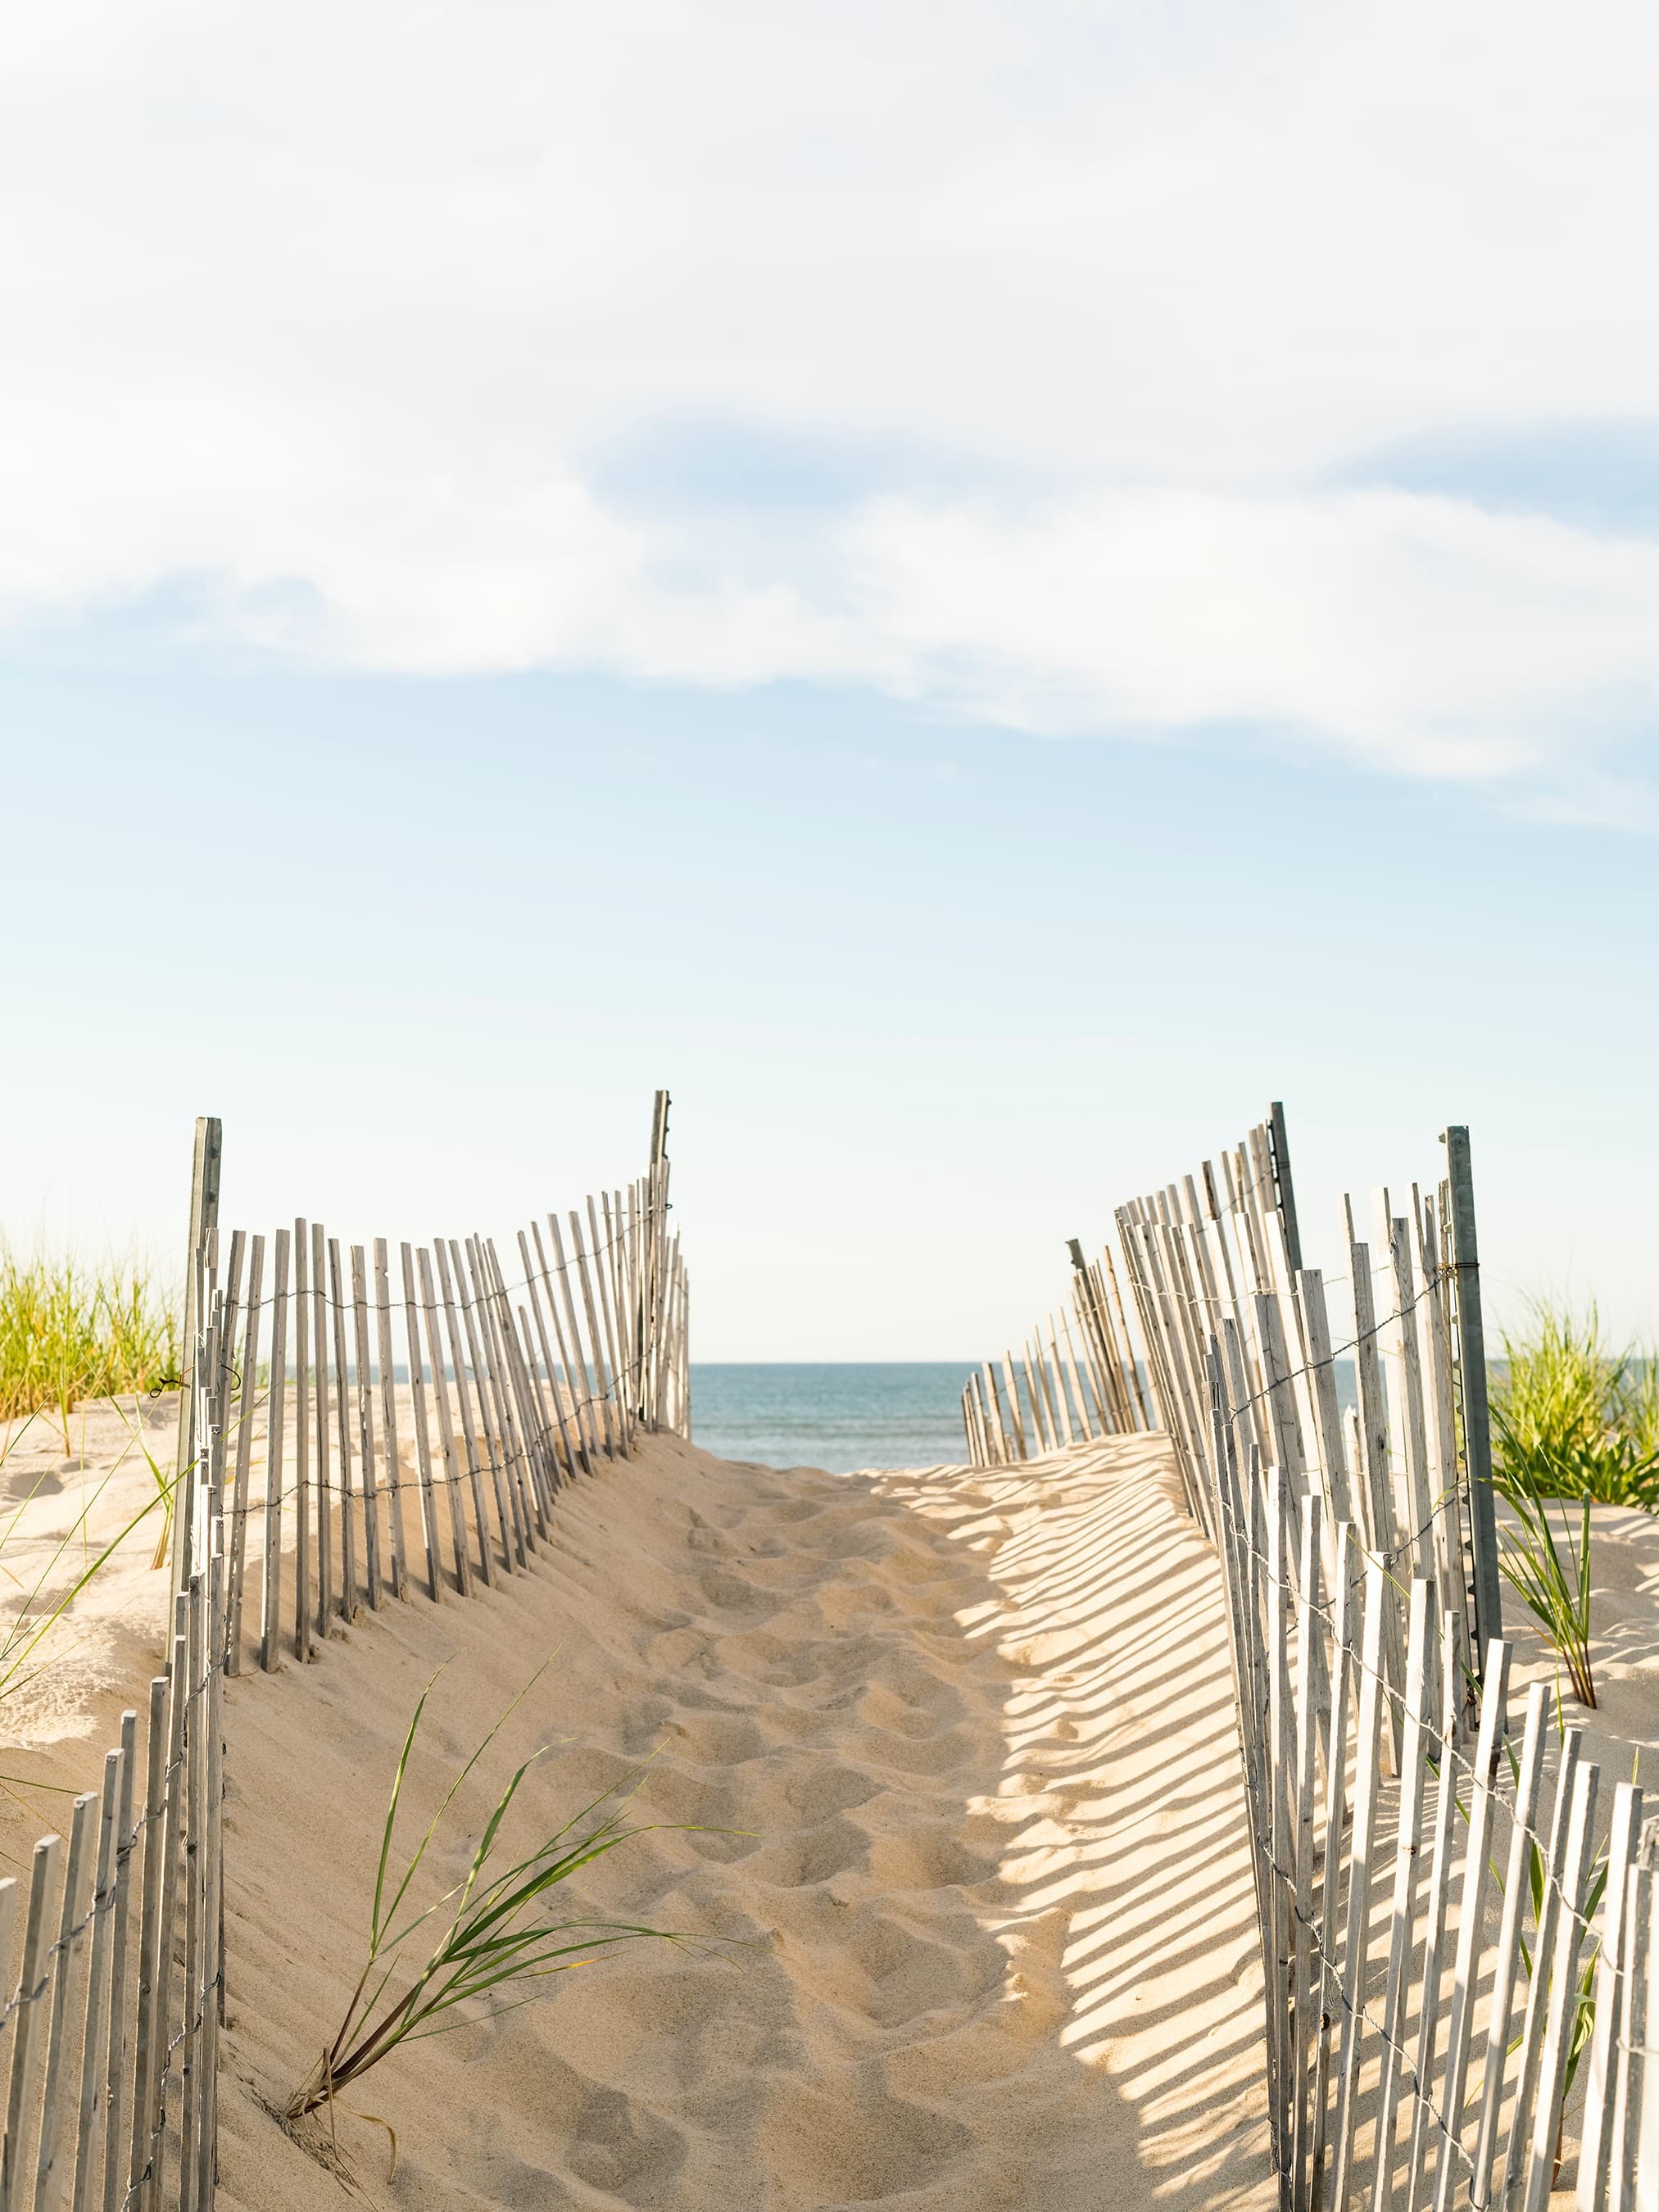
937 1774
961 1885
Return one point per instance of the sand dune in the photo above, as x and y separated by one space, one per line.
989 1880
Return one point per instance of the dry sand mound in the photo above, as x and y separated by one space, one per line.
975 1731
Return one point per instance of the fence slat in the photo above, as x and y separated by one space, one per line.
391 1458
417 1416
48 2164
1355 1947
33 1984
480 1383
122 2003
348 1530
1407 1857
1471 1909
325 1616
567 1442
1595 2159
1523 1813
95 2028
368 1485
446 1427
276 1401
1431 1976
301 1444
463 1406
246 1404
511 1471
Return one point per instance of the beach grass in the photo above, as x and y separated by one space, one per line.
1553 1578
70 1331
487 1937
1572 1417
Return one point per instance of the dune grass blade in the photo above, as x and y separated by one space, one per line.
20 1636
493 1940
68 1333
1554 1582
1573 1419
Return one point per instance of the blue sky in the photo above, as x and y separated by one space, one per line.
979 590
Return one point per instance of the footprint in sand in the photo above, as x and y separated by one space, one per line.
625 2147
813 1855
851 2142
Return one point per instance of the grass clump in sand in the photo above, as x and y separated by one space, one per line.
69 1333
1553 1580
1571 1417
488 1937
1572 1420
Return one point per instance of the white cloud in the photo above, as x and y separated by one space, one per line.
342 313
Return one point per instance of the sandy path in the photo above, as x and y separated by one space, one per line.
977 1730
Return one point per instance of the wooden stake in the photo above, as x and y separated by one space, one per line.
434 1587
464 1403
567 1441
1597 2140
602 1269
365 1457
446 1428
348 1533
116 2048
301 1448
1407 1841
272 1594
601 1380
195 1932
48 2167
319 1362
94 2036
498 1484
1574 1808
1471 1914
1523 1817
245 1450
206 1160
1472 1374
150 2033
393 1457
1432 1974
32 1986
1354 1960
512 1457
566 1367
576 1367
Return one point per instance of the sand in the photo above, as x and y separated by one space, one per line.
961 1749
974 1733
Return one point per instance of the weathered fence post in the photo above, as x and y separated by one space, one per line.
1472 1369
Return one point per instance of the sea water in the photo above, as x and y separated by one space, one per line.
834 1415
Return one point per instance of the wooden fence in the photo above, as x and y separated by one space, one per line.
1449 1967
350 1485
311 1482
1094 1386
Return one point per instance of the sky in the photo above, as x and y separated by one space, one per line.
977 591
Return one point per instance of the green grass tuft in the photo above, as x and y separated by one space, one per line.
70 1331
1573 1419
489 1938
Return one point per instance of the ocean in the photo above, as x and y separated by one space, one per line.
834 1415
847 1415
